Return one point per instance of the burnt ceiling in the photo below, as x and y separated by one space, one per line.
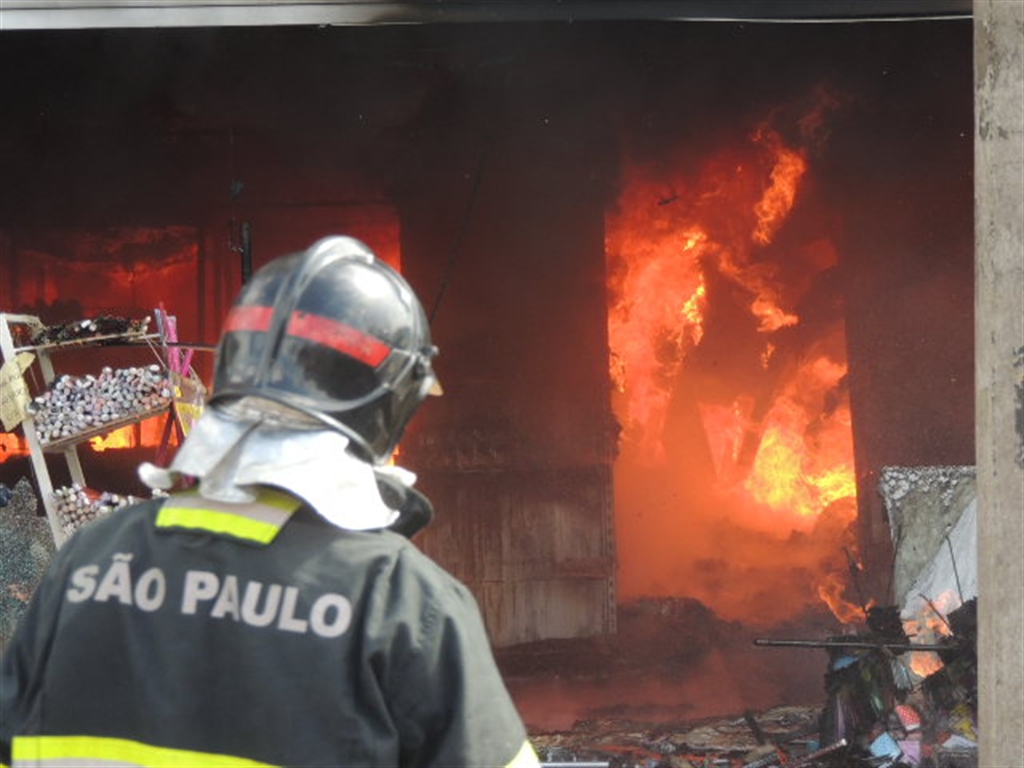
104 124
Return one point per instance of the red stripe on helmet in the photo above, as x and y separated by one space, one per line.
248 319
337 335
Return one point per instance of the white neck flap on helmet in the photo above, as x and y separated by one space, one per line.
238 446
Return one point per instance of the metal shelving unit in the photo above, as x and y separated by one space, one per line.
65 447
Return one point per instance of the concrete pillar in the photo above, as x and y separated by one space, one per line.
999 361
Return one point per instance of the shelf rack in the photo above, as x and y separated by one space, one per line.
67 448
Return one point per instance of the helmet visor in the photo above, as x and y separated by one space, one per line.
318 358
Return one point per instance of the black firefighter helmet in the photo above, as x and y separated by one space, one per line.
335 333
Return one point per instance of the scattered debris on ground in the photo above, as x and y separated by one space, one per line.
26 548
880 707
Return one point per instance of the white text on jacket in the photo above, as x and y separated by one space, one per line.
211 595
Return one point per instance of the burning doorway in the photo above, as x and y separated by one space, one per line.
735 481
789 274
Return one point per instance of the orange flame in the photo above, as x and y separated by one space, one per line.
148 433
830 590
12 446
694 281
119 438
777 201
925 663
805 460
649 340
656 256
930 628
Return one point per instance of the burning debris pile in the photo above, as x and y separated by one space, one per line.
900 685
877 713
880 712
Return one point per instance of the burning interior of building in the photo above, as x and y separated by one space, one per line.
695 285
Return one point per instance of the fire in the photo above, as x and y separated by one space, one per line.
805 459
149 433
772 316
692 312
119 438
777 480
830 590
12 446
657 258
930 628
709 357
777 201
726 428
650 339
924 664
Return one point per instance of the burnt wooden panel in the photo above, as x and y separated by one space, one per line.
502 216
535 547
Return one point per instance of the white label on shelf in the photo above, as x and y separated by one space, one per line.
14 396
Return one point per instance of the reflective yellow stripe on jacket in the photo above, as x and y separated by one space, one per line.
104 752
258 521
525 758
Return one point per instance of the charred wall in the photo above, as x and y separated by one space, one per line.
518 453
901 170
493 174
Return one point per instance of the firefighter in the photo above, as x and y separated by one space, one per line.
270 609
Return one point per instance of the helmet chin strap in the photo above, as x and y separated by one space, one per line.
414 509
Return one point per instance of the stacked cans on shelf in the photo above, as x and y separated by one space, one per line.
76 505
80 404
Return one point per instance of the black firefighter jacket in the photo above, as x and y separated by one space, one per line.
182 632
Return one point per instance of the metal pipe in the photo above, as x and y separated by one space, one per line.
859 644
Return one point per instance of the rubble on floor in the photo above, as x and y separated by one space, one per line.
26 547
727 741
877 711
